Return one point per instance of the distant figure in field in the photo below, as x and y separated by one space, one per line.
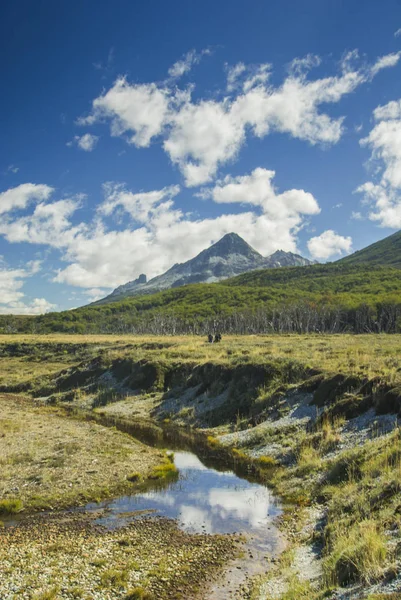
210 338
217 337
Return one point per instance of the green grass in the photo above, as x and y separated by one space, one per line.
165 470
357 553
66 461
10 506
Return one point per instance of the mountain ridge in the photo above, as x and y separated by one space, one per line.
226 258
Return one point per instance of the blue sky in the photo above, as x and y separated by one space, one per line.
134 134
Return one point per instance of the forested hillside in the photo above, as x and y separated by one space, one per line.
334 297
385 252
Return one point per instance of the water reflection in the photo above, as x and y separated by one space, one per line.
202 500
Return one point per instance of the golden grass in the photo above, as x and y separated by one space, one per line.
48 460
370 355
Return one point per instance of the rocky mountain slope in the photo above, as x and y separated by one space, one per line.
226 258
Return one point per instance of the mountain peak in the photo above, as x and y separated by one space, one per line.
231 243
229 256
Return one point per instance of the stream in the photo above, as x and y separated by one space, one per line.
207 497
207 500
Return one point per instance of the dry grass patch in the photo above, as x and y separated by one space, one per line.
48 460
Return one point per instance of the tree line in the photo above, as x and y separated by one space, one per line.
301 317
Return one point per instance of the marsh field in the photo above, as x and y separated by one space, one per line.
312 417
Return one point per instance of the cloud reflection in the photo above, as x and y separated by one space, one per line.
204 500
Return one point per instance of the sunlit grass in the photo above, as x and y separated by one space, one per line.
367 355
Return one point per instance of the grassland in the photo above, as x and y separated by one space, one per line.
50 461
371 355
338 470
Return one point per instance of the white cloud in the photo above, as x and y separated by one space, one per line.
384 62
257 76
233 74
384 202
207 134
139 108
300 66
49 224
384 140
247 77
257 189
328 244
184 66
19 197
94 294
200 136
12 169
294 108
140 206
38 306
397 33
12 300
86 142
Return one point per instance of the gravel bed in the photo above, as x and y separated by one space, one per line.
69 555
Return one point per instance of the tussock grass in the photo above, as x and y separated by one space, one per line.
357 553
114 578
11 506
164 470
138 593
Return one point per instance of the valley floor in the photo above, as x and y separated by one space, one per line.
316 417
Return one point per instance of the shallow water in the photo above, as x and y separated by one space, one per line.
210 501
203 500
